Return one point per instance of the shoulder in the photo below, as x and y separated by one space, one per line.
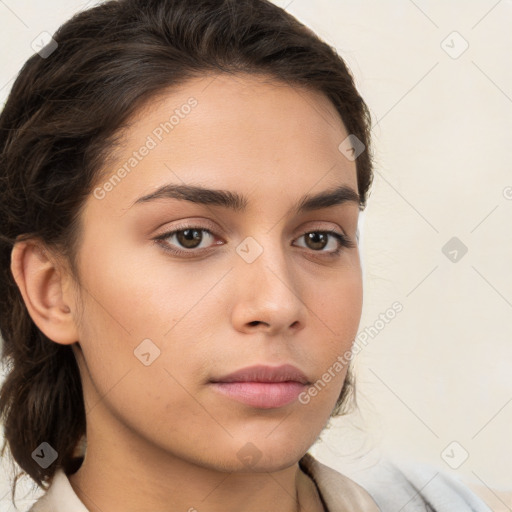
60 497
413 487
337 491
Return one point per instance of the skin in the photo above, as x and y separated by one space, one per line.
159 437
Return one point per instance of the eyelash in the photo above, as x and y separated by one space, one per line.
343 241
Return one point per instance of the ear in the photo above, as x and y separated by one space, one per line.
45 289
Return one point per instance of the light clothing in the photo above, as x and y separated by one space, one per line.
386 488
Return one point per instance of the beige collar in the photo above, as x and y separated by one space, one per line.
338 492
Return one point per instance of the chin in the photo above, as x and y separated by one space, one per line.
272 452
252 454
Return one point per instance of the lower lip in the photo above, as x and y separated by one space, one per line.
264 395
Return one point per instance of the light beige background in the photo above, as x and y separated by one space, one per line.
441 371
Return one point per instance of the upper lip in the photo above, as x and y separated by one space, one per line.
263 373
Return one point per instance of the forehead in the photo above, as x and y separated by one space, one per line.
245 132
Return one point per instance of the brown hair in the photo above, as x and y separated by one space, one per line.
58 127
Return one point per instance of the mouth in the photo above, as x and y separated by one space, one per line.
263 387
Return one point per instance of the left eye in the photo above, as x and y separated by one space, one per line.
191 238
319 240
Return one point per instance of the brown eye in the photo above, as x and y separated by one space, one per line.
189 238
316 240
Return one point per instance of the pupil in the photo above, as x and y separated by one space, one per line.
314 237
189 238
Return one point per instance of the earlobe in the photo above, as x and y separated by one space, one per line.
42 284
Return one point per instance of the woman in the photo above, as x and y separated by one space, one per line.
181 282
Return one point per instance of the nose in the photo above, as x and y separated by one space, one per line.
268 295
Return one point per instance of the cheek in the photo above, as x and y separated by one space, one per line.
337 305
336 310
141 323
138 294
144 378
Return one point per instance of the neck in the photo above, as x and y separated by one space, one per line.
116 477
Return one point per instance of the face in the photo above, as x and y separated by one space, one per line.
179 290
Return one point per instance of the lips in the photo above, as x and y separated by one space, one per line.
263 387
262 373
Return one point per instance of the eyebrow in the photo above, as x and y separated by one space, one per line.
238 203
